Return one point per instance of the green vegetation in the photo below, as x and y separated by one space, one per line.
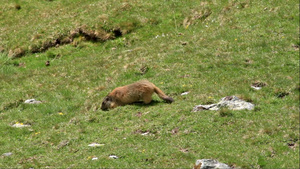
211 49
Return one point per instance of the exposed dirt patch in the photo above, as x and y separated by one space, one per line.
11 105
18 52
17 6
258 84
143 70
280 93
197 15
296 46
236 5
175 131
82 33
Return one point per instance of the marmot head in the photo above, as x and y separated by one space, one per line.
108 103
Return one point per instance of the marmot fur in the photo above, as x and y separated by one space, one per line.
138 91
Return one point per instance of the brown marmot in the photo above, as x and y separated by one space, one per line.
138 91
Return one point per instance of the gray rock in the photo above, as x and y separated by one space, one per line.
32 101
20 125
230 102
210 164
205 107
7 154
234 103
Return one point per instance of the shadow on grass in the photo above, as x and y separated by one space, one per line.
142 104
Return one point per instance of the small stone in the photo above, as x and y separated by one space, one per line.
20 125
95 158
184 93
95 145
7 154
146 133
210 164
258 85
204 107
256 88
32 101
113 157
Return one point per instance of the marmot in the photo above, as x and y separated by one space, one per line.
138 91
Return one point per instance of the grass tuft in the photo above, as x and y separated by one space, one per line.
71 54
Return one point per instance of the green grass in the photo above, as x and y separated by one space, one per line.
211 49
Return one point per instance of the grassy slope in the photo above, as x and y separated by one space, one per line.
238 44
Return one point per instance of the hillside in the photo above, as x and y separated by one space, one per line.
69 54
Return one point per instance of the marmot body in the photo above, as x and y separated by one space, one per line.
138 91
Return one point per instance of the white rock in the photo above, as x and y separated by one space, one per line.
256 88
7 154
184 93
210 164
230 102
95 158
95 145
205 107
234 103
32 101
146 133
20 125
113 156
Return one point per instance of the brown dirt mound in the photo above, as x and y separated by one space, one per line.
83 32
